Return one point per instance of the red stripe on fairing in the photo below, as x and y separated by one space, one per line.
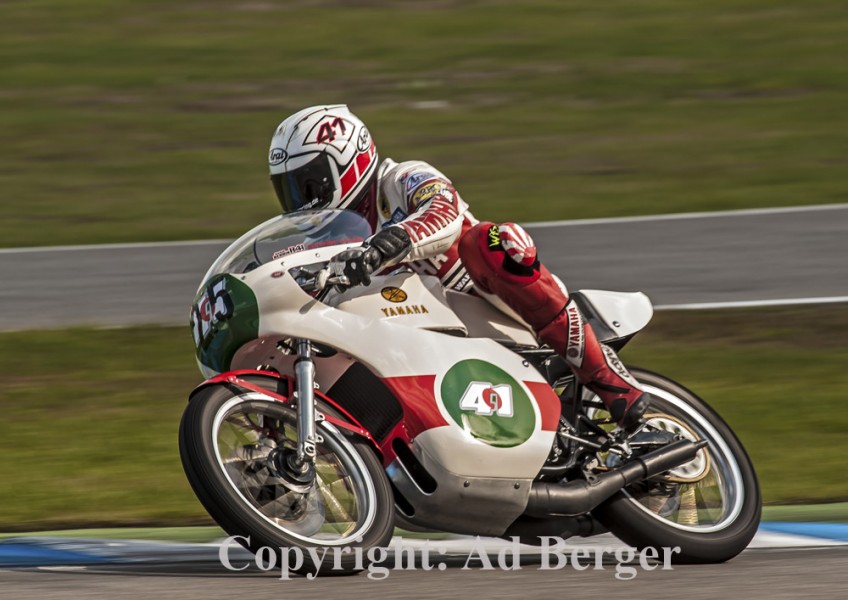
417 394
549 404
399 431
348 179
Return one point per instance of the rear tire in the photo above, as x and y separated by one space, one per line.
232 445
716 517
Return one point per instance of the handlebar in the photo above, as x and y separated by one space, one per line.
320 281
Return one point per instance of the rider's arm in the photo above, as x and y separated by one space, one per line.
435 218
431 215
432 208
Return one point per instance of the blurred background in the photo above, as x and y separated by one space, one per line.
149 121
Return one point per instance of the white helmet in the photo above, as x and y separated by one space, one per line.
323 157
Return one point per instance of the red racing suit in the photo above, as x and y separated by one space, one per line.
495 260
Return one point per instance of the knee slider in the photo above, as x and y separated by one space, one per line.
519 249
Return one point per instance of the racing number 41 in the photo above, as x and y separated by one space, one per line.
327 131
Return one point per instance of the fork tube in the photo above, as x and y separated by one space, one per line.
304 370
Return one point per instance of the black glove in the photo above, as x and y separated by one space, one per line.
386 248
393 243
357 264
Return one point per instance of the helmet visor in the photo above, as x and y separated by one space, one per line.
310 186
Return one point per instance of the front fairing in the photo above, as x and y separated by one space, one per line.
226 312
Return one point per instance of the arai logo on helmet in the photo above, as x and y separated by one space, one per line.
277 156
363 140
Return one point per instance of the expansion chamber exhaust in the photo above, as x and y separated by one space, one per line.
580 496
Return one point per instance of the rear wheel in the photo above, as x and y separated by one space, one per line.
236 449
709 507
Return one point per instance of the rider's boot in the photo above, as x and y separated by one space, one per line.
502 261
596 365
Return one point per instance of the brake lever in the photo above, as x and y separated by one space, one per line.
325 278
319 281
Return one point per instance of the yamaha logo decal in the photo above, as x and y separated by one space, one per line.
393 294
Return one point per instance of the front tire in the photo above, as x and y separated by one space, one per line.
234 444
710 508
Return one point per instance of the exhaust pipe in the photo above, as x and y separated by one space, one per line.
580 496
531 530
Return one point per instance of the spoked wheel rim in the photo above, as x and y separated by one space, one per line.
704 495
696 469
253 437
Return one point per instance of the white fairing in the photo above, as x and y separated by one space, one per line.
423 304
395 347
486 319
625 313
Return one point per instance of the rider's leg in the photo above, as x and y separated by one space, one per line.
501 260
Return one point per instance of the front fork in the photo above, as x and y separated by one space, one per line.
304 370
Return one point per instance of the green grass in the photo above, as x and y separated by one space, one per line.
135 121
89 428
192 535
88 432
831 513
836 512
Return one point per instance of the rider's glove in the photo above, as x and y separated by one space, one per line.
355 264
393 244
386 248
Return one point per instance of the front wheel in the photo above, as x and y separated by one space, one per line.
236 449
710 507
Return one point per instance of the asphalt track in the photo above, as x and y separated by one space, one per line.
756 256
778 574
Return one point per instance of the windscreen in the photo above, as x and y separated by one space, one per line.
288 234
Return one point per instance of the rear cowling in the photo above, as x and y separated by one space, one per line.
615 317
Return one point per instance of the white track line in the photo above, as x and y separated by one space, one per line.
108 247
754 303
747 212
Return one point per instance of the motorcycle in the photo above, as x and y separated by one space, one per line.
331 414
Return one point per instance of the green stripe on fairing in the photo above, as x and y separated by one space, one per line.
219 345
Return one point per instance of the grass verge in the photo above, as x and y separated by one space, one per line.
190 535
143 121
836 512
90 417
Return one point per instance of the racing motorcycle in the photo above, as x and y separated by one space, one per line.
332 414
